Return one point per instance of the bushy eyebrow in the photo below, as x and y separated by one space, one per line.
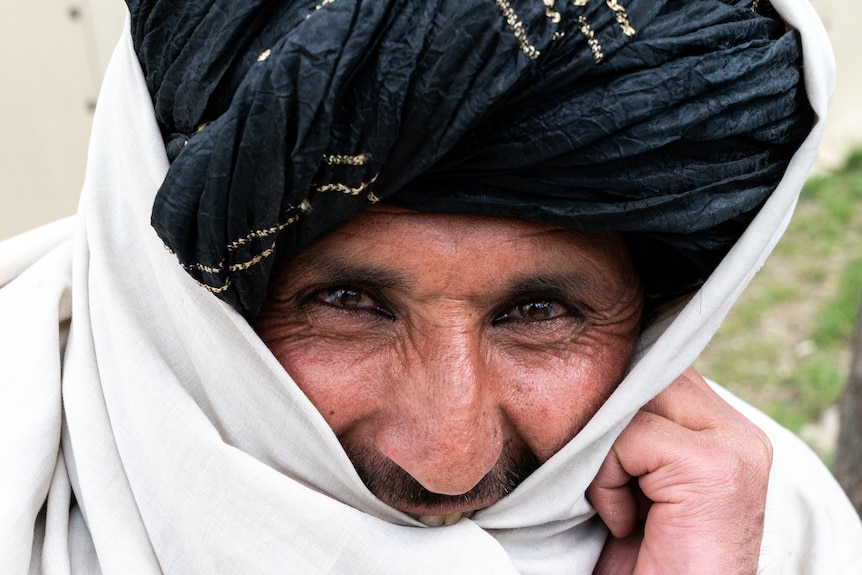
332 269
568 288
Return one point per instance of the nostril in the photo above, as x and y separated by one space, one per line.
448 468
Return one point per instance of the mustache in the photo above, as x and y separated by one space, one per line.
394 486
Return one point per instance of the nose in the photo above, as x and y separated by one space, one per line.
445 425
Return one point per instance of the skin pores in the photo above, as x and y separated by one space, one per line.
453 354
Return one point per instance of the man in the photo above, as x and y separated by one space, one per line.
465 373
448 308
448 379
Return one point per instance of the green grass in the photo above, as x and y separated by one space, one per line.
815 385
785 345
749 312
835 320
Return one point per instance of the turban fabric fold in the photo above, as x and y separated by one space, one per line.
669 121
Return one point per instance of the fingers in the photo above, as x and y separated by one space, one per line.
615 493
703 425
619 555
688 434
691 403
612 497
704 467
647 443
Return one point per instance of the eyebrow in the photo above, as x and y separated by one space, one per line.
570 287
576 287
333 269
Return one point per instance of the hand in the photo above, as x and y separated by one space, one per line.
683 489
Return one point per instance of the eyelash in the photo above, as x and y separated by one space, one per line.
320 296
506 315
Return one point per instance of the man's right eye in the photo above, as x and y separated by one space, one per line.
346 297
353 300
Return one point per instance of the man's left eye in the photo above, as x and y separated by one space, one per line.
533 311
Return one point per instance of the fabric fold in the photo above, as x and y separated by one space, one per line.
182 445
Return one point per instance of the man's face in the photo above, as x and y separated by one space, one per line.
452 355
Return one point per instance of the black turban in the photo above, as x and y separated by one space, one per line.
669 121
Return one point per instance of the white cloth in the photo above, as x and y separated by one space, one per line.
182 446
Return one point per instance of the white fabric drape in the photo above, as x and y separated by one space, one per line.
182 446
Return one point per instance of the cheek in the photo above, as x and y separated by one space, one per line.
344 378
544 391
550 397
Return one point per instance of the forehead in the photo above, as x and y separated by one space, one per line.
468 252
382 232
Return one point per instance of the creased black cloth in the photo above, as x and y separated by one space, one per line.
669 121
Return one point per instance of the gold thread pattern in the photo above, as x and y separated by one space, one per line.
264 55
339 159
580 2
558 35
593 43
754 5
214 289
206 269
517 28
303 207
219 267
552 14
247 264
621 17
372 198
338 187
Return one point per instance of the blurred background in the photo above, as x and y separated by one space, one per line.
787 346
54 55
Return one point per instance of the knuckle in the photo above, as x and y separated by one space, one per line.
743 458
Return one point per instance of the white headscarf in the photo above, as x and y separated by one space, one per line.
182 446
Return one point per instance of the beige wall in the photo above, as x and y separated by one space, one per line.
54 54
53 62
844 124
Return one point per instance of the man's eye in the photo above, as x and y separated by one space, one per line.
533 311
352 299
349 298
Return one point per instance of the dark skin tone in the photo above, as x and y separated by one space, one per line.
472 347
451 355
